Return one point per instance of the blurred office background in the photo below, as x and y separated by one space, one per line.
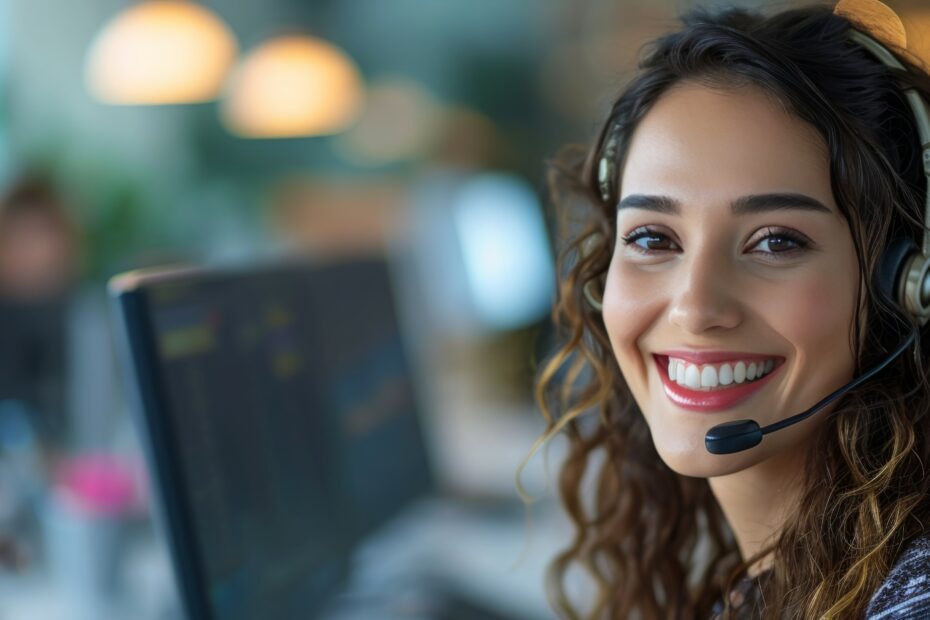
415 128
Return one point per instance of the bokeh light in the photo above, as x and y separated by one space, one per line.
160 52
293 86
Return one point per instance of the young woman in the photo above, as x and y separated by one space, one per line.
738 204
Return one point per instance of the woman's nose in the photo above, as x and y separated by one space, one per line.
705 295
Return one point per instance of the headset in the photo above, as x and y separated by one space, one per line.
902 278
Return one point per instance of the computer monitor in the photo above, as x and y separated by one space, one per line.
279 414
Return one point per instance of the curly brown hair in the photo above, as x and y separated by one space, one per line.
655 542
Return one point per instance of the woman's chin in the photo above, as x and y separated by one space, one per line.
691 458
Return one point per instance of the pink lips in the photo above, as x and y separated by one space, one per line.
716 400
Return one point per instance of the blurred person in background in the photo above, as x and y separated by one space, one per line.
741 201
58 390
56 353
39 250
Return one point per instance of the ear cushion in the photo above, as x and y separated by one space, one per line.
890 268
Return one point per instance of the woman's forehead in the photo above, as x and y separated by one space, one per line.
716 144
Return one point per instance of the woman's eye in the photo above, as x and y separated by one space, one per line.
778 243
781 243
649 236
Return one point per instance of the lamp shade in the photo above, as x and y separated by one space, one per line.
160 52
293 86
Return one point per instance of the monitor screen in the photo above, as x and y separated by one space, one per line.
282 426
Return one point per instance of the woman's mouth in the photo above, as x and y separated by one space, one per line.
714 387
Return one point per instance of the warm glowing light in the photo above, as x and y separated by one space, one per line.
879 18
161 52
293 86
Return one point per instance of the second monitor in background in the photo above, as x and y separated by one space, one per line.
280 415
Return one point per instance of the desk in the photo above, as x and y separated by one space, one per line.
472 553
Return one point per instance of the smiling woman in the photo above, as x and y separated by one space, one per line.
731 274
740 201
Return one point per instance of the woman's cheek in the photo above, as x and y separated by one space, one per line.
815 316
629 307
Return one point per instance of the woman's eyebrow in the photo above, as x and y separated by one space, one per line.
752 203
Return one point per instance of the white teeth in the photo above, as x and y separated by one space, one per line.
710 376
726 375
739 372
692 377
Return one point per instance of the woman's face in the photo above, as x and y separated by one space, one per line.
747 283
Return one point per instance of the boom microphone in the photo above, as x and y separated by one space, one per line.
740 435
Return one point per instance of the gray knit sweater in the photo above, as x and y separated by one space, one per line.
905 593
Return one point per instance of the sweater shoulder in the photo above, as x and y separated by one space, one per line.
905 593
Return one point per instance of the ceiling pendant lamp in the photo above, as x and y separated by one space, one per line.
293 86
160 52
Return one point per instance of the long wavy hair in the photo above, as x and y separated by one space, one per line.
656 543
